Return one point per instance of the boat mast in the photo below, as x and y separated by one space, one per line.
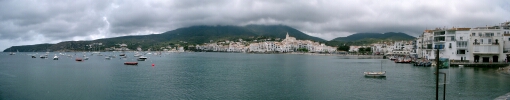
381 65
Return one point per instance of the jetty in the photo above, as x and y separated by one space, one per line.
479 64
504 97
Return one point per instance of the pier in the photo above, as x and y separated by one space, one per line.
504 97
479 64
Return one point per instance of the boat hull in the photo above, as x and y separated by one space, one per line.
130 63
375 74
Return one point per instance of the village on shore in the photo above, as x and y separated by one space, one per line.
487 44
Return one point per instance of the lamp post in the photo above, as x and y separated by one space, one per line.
437 71
444 88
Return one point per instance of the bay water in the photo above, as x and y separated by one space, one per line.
223 76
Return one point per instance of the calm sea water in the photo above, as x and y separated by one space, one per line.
235 76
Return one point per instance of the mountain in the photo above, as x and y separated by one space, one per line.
179 37
368 38
279 31
375 36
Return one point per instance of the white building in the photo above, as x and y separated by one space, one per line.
480 44
486 44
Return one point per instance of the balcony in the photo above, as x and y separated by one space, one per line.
485 49
506 50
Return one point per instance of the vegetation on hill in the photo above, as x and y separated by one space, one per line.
182 37
361 39
194 35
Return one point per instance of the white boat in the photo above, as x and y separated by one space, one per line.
55 57
108 58
142 58
86 58
12 53
376 74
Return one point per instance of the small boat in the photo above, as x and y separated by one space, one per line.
79 59
12 53
86 58
142 57
33 56
107 58
43 57
130 63
137 55
376 74
122 55
55 57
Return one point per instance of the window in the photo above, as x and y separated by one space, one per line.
450 45
460 38
461 51
473 34
461 44
481 41
490 41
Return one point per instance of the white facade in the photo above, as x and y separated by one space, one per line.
486 44
461 45
480 44
289 44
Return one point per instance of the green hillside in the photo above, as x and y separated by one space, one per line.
377 36
369 38
179 37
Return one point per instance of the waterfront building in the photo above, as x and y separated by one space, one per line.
418 46
481 44
486 44
460 46
427 44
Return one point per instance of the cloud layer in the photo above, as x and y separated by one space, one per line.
24 22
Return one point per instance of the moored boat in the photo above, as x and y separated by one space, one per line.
55 57
79 59
130 63
375 74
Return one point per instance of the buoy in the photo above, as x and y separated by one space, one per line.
152 64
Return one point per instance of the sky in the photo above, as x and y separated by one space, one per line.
28 22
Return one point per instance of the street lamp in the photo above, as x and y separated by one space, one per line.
444 88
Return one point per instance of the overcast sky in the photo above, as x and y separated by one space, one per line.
26 22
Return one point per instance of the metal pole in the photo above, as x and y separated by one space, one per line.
444 88
437 73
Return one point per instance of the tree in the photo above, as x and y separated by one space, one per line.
302 50
343 48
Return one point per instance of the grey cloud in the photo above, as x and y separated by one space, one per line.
61 20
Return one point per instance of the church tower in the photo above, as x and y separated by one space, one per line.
287 36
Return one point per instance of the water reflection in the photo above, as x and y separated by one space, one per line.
371 77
